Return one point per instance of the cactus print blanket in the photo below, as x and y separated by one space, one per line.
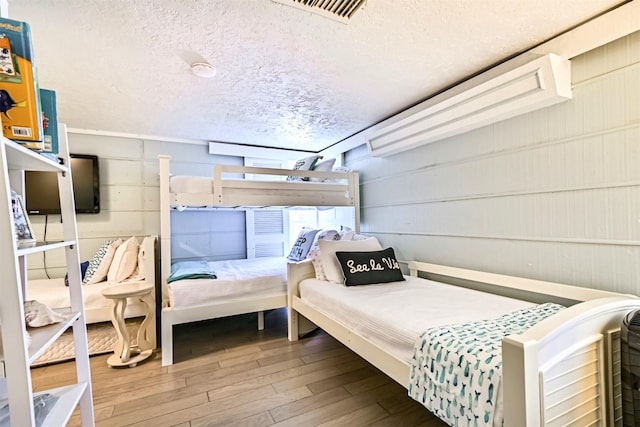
456 369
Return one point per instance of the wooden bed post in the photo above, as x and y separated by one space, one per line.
521 406
166 335
296 272
165 226
355 194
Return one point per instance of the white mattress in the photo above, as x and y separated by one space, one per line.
392 315
191 184
235 279
54 294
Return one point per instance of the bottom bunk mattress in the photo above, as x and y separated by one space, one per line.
234 279
402 318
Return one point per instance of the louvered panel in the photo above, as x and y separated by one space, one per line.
268 221
269 249
614 380
341 10
572 390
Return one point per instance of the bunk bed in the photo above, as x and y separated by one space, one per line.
239 186
563 370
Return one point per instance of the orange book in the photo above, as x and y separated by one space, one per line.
20 107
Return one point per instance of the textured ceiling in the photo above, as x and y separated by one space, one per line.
285 77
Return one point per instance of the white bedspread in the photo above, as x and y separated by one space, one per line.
236 279
393 315
54 294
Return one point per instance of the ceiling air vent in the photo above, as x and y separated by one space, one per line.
340 10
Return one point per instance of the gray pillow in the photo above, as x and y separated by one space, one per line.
302 245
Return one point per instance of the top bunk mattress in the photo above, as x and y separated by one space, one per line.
236 279
205 185
191 184
393 315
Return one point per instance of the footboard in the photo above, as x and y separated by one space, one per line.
564 371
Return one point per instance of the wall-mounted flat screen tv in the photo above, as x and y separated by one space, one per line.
41 188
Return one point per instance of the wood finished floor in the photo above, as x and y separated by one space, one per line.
226 373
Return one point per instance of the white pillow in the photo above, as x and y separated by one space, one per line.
314 256
141 273
347 235
323 166
124 261
324 235
100 263
328 249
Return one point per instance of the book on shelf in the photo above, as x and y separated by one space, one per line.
49 121
20 105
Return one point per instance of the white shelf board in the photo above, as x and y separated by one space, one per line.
21 158
69 396
43 337
45 246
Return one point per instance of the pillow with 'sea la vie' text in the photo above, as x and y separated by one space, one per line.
371 267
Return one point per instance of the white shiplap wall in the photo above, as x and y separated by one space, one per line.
129 184
551 195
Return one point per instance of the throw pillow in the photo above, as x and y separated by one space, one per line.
368 268
328 249
305 164
324 235
100 263
83 271
301 247
323 166
124 261
316 260
342 169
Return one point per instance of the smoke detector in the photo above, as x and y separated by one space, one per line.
203 69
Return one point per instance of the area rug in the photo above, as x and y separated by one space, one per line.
102 338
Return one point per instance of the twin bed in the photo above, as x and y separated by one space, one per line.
54 294
561 369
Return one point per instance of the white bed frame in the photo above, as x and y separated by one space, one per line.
565 369
236 192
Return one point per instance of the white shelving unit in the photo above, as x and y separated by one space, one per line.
14 160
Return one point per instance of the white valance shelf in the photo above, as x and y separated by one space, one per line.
519 86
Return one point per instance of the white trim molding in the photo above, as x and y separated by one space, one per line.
241 150
519 86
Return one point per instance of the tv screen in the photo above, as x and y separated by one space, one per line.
41 188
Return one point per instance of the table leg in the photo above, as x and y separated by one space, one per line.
123 348
144 342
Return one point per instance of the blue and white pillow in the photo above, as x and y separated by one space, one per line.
306 164
100 263
303 243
